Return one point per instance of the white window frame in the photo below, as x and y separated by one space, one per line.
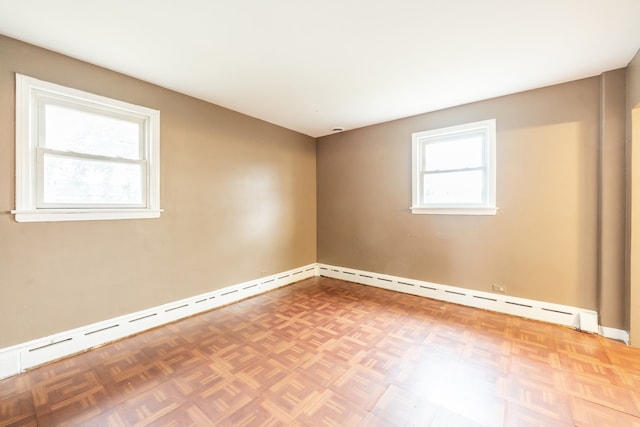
31 95
487 128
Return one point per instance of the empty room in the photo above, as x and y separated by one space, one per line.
305 213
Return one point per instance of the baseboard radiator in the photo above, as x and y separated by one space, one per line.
18 358
578 318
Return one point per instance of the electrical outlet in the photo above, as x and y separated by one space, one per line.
499 289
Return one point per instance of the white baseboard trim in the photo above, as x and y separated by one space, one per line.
615 334
18 358
579 318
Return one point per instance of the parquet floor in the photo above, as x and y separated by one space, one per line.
323 352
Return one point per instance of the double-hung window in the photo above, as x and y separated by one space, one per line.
81 156
454 170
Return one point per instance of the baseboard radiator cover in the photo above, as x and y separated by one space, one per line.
578 318
18 358
615 334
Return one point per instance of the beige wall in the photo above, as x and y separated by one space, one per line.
239 199
633 140
542 244
612 229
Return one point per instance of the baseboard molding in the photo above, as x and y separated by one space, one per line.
18 358
582 319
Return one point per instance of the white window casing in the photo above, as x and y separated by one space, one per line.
110 171
454 170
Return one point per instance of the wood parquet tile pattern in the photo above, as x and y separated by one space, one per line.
324 352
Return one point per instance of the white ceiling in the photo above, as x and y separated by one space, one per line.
313 65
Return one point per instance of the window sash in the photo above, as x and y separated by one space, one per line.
443 172
44 100
42 149
41 178
455 195
476 146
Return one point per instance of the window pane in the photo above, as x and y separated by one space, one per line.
456 152
87 181
68 129
453 187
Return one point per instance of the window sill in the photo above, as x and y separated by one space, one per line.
51 215
454 211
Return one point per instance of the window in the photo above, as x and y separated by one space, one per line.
81 156
454 170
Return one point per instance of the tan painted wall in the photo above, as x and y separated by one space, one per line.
612 303
633 141
542 244
239 199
